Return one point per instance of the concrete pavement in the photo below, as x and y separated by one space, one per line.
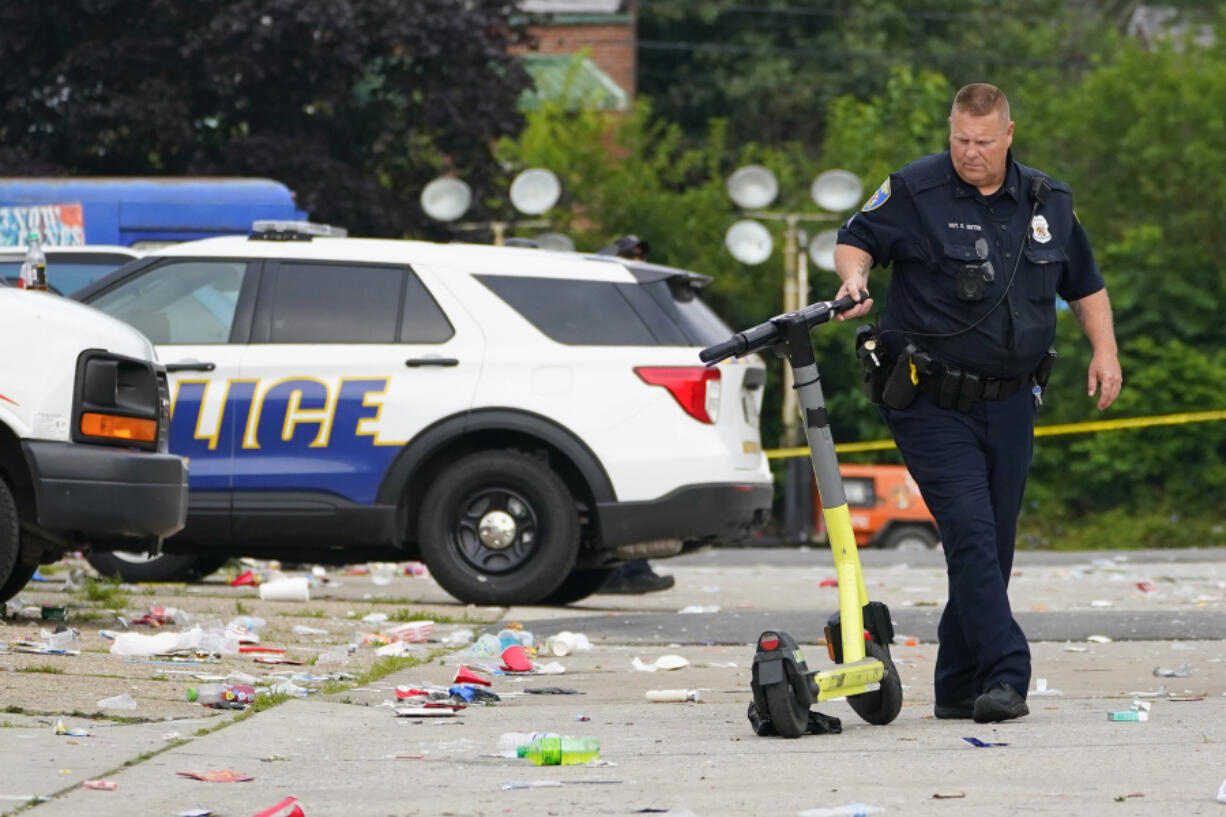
344 754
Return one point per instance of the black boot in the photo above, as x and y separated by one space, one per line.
635 578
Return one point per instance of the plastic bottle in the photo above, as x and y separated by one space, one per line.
221 695
34 267
551 751
848 810
510 742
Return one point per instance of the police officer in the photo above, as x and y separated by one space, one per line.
980 246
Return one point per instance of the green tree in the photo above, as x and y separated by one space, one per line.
772 67
353 103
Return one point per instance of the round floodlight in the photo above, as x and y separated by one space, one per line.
446 198
749 242
535 190
821 250
752 187
837 190
556 242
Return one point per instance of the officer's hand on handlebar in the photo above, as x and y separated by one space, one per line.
857 293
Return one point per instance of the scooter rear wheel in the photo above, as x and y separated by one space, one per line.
790 718
882 706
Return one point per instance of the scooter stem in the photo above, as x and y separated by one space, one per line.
853 594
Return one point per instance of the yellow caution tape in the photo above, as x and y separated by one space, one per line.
1040 431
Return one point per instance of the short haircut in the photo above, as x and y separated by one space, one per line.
981 99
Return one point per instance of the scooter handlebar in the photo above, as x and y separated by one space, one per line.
769 333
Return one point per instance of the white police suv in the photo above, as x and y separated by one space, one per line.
519 419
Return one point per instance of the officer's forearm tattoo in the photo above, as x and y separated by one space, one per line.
1078 312
862 267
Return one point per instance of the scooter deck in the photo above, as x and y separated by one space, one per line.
849 679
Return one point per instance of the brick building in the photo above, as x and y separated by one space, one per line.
603 29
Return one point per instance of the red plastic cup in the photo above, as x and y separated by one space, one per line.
514 659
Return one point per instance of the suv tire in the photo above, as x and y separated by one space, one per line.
499 528
165 567
11 571
579 585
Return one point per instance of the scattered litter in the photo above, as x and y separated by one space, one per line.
700 608
552 668
463 675
1075 648
664 662
487 646
457 637
302 629
514 659
1138 712
1186 698
1146 587
1102 603
124 701
426 711
1120 798
663 696
1221 793
566 642
245 579
296 811
1099 639
531 784
1040 688
552 691
61 729
293 589
848 810
981 744
828 583
100 785
958 795
218 776
1156 694
1181 671
374 618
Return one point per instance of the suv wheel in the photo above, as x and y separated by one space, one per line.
165 567
11 571
579 585
499 528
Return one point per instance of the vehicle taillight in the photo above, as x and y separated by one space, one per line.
768 641
695 388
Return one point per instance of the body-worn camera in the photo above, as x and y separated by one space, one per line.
971 282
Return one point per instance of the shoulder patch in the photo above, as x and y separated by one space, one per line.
879 198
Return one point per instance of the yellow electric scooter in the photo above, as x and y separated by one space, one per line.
858 636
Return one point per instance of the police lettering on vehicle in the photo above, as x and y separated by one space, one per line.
295 419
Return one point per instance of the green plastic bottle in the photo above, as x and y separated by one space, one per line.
553 751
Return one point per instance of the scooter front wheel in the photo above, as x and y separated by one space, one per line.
882 706
790 718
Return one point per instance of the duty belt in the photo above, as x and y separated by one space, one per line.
954 387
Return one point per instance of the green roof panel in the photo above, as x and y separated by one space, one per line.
574 81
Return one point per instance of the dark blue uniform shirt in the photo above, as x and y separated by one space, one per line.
929 223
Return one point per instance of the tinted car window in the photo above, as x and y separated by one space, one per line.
423 321
335 303
179 302
584 313
67 274
683 306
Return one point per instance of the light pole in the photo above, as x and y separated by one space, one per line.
533 192
753 188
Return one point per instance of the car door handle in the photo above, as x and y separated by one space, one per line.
414 362
190 366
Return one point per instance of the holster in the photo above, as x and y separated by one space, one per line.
901 386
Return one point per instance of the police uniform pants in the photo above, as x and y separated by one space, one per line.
971 468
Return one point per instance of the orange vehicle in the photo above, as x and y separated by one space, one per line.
886 508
